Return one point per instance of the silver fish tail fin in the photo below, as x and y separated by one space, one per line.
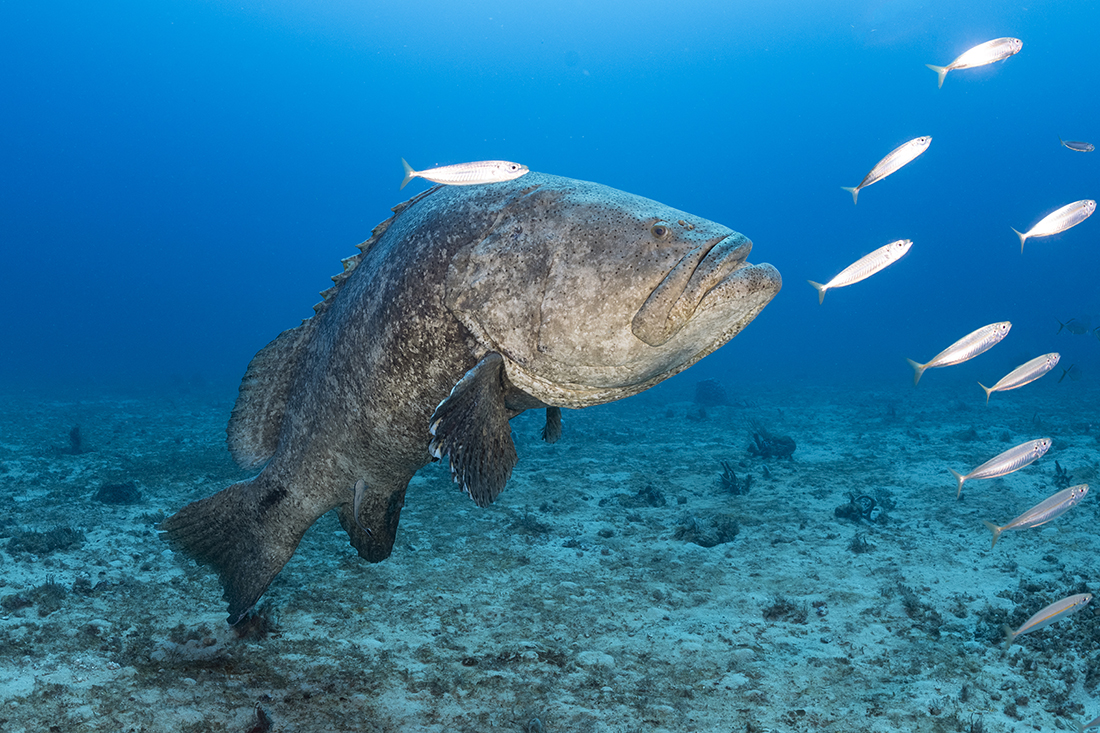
854 190
1010 636
820 291
241 533
918 369
1023 238
941 72
960 478
409 173
988 391
995 530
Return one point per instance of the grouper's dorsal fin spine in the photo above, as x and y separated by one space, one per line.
253 431
350 263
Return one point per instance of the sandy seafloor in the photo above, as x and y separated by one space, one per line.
579 601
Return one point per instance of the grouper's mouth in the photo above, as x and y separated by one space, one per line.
673 302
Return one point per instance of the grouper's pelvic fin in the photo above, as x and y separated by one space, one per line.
242 534
551 431
471 427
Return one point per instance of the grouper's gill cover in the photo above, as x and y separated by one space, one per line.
467 307
593 294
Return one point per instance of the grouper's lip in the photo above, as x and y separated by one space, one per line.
671 304
721 260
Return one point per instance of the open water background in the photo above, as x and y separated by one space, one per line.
180 179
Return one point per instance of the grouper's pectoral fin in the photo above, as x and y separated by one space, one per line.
471 428
552 430
371 518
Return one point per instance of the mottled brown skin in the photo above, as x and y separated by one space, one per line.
483 302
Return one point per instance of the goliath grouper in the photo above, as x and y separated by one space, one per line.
466 307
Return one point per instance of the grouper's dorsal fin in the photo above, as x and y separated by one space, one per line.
350 263
471 428
253 431
257 417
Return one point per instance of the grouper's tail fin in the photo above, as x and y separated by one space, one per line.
241 534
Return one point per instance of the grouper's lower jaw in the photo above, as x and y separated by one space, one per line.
729 306
725 309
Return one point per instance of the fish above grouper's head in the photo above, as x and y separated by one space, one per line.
468 306
591 294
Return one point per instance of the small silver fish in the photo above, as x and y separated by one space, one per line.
1058 221
1080 147
965 348
1052 614
1026 373
895 159
467 174
989 52
864 267
1043 512
1005 463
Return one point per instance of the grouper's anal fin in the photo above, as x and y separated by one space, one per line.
244 532
471 428
379 513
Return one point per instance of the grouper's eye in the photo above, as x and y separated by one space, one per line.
660 231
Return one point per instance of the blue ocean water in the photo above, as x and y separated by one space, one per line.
181 178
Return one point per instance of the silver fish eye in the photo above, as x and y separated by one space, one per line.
659 231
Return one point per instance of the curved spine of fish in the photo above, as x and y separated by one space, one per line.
895 159
965 348
1052 614
1026 373
1058 221
467 174
1046 510
864 267
1005 463
989 52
